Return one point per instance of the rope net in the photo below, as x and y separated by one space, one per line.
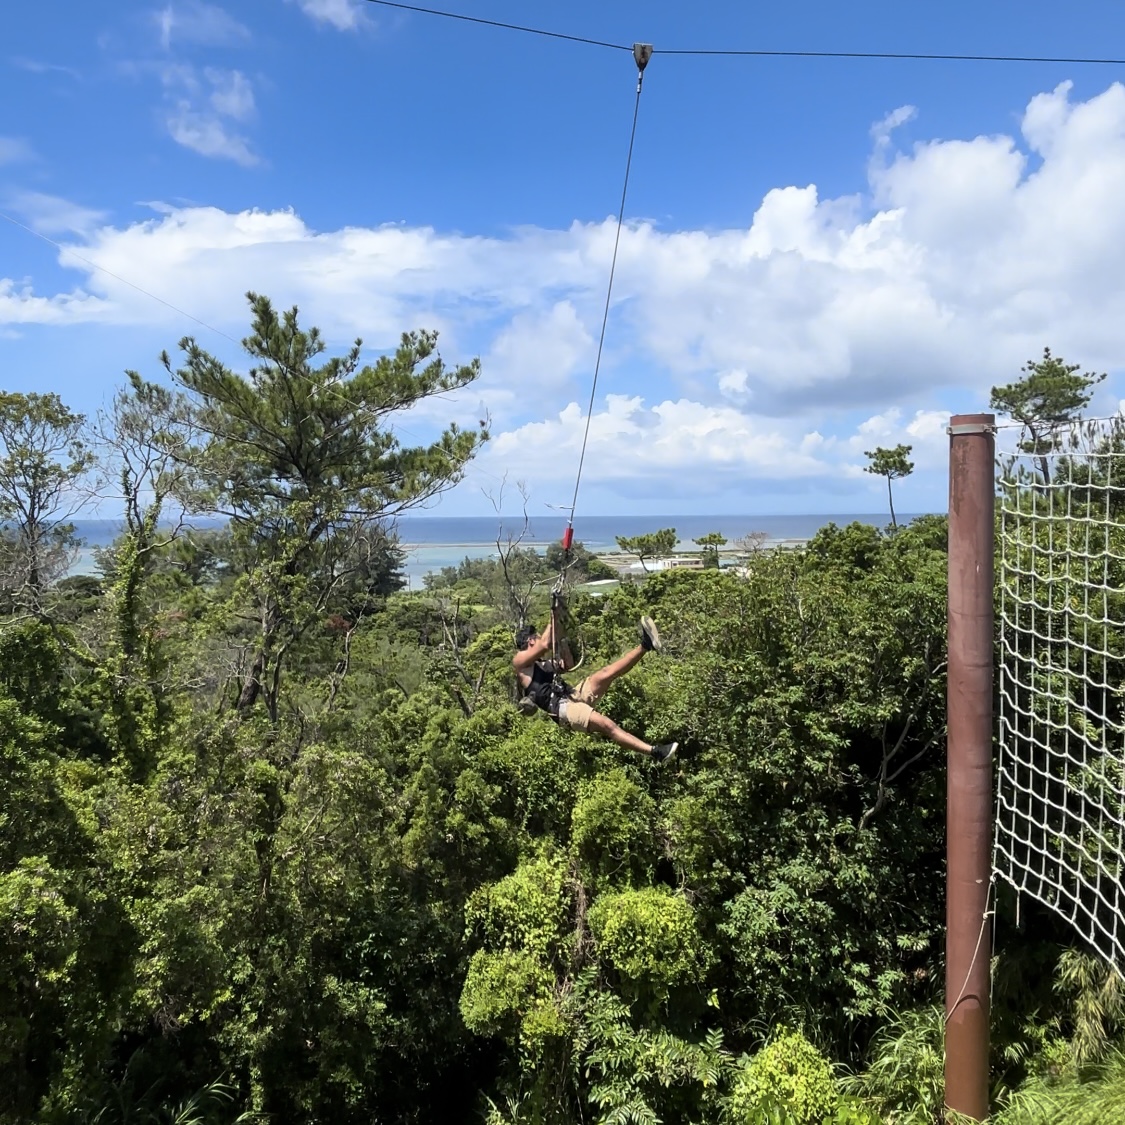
1060 824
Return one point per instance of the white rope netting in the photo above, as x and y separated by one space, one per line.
1060 824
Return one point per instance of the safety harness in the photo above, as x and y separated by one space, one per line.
543 693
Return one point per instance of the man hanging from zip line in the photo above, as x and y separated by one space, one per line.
539 674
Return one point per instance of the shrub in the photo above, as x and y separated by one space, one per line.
649 937
788 1082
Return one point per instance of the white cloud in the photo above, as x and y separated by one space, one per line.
231 94
200 104
208 136
38 66
538 352
344 15
49 214
695 451
929 429
734 351
191 21
20 305
733 385
15 150
924 432
200 109
662 445
881 131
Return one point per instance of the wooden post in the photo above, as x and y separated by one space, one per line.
968 943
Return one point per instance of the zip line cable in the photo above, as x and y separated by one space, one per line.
642 52
499 23
117 277
719 52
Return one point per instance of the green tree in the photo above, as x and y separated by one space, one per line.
1049 395
302 460
585 566
43 459
431 901
654 545
894 464
711 542
511 583
143 440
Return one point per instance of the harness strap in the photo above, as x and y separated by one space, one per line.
556 624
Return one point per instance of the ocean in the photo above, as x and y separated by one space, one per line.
432 542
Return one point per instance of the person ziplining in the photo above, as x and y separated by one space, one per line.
539 664
542 658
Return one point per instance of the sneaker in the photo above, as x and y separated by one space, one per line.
650 636
664 751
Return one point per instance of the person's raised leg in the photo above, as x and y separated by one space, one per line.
597 682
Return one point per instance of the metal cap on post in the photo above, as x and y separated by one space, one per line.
972 452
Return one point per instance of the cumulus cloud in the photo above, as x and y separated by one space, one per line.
538 352
344 15
20 305
735 385
924 431
628 439
695 451
735 351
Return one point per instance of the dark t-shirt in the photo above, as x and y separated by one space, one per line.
539 690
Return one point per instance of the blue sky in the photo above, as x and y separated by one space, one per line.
820 256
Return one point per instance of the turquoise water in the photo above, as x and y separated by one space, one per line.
432 542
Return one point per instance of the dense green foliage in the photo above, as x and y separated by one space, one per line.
276 845
357 912
350 913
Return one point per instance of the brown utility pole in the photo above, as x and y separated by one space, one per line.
968 941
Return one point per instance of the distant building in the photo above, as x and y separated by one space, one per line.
681 562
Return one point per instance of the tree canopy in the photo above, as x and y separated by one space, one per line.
1049 394
652 545
44 457
711 542
382 894
304 462
894 464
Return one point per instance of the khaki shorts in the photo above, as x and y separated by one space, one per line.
575 709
